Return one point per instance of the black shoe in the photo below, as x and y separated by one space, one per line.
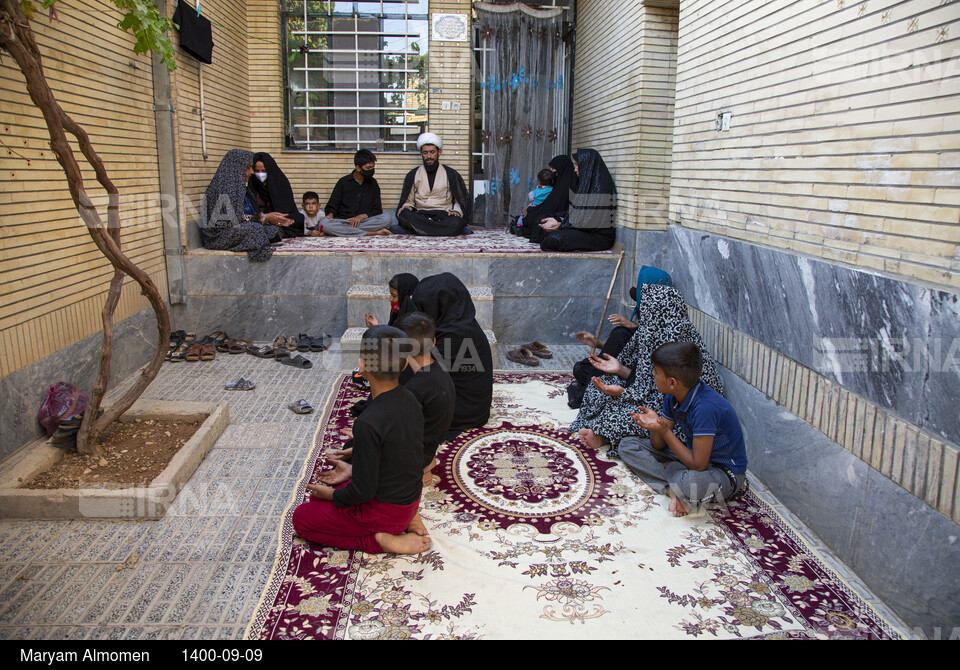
575 393
359 381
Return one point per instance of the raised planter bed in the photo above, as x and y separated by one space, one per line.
140 502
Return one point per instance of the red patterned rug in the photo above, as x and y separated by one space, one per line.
482 241
534 538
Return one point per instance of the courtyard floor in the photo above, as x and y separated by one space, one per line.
198 573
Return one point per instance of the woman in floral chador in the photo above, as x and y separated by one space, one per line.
662 318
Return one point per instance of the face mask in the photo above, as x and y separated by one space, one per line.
262 176
368 173
394 306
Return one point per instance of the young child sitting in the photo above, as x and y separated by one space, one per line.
377 510
546 178
712 464
312 216
433 387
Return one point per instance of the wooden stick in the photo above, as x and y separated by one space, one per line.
613 281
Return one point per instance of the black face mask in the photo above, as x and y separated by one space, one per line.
368 173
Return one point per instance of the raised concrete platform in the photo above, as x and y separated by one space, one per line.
545 297
375 298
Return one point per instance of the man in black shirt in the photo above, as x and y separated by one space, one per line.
354 207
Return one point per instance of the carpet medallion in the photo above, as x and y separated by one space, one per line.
534 537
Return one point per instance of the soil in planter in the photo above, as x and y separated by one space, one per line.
131 454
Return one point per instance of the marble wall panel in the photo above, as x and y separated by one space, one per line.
885 339
378 269
262 317
904 550
317 274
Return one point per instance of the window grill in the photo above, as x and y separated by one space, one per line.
356 74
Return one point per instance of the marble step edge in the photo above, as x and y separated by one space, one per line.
353 336
380 291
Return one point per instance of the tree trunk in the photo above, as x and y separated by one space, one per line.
17 38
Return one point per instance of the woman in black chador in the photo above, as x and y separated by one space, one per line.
462 347
589 223
272 193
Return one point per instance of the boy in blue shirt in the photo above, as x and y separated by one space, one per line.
712 465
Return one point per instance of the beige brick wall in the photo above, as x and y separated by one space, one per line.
319 171
227 100
623 101
845 135
53 280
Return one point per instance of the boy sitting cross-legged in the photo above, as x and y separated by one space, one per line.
712 464
430 383
376 511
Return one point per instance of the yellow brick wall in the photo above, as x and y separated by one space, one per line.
845 137
319 171
53 280
623 101
226 96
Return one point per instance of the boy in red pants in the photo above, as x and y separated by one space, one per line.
376 511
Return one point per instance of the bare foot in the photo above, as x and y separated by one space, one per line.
416 526
382 231
677 508
407 543
340 454
342 472
591 439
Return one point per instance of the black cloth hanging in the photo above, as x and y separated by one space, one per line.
196 35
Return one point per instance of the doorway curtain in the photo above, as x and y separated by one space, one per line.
524 101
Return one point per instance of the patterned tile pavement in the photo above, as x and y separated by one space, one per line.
197 574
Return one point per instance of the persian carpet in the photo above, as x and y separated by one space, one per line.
534 538
482 241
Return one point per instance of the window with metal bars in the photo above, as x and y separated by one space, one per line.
356 74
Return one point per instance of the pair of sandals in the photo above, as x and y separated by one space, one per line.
192 351
178 337
242 384
310 343
530 354
282 355
234 345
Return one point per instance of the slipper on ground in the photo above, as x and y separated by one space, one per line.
240 385
300 407
523 356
